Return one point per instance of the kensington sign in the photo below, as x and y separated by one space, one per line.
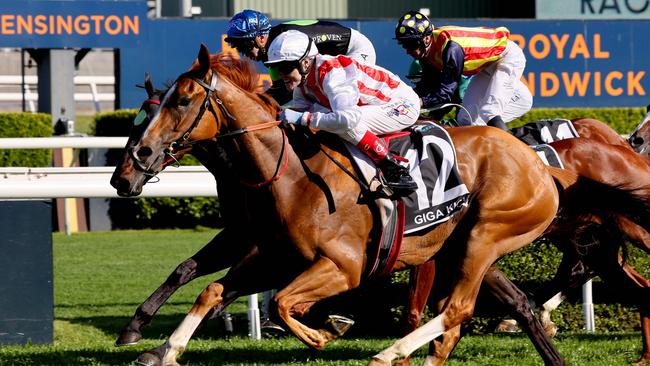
67 24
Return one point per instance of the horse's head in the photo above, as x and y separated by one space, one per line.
640 137
127 178
200 104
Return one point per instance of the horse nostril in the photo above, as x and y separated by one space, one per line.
143 153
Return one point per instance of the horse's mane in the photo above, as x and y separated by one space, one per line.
241 72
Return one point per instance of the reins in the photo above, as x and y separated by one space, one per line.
281 167
185 142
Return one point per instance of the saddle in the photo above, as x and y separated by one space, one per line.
431 156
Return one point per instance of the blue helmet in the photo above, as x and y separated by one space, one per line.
248 24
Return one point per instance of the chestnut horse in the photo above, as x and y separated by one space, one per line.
128 181
321 239
595 247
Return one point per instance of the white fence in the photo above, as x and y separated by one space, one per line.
93 182
31 94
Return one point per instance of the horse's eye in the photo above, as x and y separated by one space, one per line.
184 101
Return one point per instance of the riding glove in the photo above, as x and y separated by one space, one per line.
293 117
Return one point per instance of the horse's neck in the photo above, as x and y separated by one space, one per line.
262 148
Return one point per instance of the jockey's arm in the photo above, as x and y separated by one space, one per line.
343 95
298 102
453 59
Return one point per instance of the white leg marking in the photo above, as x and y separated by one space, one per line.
554 302
181 336
414 340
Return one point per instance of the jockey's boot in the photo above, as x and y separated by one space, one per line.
397 177
498 123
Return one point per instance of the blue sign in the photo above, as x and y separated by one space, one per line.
569 63
83 24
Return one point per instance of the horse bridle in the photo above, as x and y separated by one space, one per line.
185 143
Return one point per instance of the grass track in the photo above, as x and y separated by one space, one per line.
100 278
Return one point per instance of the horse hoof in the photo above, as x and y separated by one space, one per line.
339 324
507 326
128 338
550 330
149 358
377 362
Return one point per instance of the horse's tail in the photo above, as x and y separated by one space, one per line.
594 207
590 197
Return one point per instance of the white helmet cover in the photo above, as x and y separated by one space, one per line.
291 45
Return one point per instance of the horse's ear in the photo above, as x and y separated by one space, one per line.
204 60
148 85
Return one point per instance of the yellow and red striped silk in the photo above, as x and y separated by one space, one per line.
481 45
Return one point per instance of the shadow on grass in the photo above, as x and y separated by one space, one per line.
236 353
162 325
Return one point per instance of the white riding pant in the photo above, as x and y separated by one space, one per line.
497 90
401 112
361 49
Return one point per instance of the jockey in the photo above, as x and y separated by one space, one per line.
346 97
495 93
250 32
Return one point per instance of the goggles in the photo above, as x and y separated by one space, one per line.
242 44
410 43
286 67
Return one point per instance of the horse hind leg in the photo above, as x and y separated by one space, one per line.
486 242
420 283
323 279
519 308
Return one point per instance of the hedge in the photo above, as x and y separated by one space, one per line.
25 125
528 267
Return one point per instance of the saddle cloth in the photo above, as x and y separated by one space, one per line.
548 155
432 161
440 194
545 131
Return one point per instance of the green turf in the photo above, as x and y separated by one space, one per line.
100 278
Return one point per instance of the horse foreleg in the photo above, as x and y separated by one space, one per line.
213 257
420 283
517 303
242 279
321 280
